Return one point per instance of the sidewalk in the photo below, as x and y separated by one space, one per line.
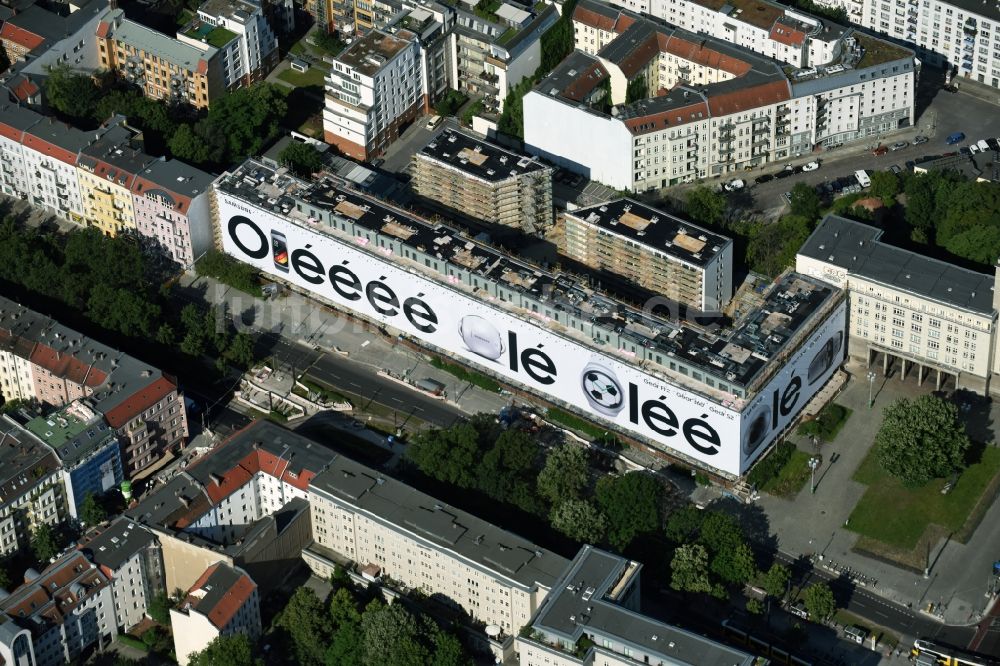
813 524
301 320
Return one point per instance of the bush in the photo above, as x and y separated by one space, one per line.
228 270
450 103
827 423
576 423
475 378
771 466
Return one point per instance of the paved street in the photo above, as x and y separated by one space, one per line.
813 525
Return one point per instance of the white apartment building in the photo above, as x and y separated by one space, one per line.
65 609
222 602
768 28
389 528
714 108
51 150
935 319
963 34
129 555
247 45
375 87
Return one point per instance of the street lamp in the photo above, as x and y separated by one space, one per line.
871 387
813 464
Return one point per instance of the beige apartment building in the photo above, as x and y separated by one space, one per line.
391 529
662 253
462 173
935 319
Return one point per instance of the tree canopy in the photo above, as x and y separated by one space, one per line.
45 543
91 511
565 474
631 503
234 650
819 601
960 216
302 158
921 439
580 520
689 569
804 201
706 206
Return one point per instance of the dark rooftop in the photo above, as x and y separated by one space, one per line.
478 157
370 53
113 546
857 248
655 229
24 462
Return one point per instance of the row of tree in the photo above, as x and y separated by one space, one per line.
238 125
350 630
509 466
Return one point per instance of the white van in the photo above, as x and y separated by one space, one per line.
863 179
433 122
983 146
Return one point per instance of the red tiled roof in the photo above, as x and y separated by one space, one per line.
103 29
639 57
594 19
701 55
787 35
25 90
230 603
66 366
138 402
141 185
10 132
772 92
585 83
657 121
40 145
233 480
20 36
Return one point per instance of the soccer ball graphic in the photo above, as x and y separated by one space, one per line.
602 389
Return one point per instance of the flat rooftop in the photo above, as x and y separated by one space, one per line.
477 157
740 354
584 602
370 53
857 248
659 231
73 431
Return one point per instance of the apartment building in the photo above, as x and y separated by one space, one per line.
245 504
332 15
31 490
66 609
464 174
26 31
51 150
375 87
490 56
963 35
664 254
89 455
42 36
394 530
597 599
930 317
106 169
768 28
130 557
714 108
171 204
246 44
163 67
222 602
140 403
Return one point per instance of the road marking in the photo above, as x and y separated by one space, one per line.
355 385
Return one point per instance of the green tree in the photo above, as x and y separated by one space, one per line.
755 606
921 439
564 475
507 470
579 520
980 243
631 503
391 636
240 351
234 650
684 523
91 511
44 543
558 41
447 650
772 246
329 42
188 145
247 118
70 93
736 566
885 185
512 119
720 532
302 158
159 608
705 205
775 580
689 569
343 608
636 90
307 625
805 202
450 455
346 647
165 335
819 601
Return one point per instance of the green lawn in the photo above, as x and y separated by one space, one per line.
897 516
792 476
312 77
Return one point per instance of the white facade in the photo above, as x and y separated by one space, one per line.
372 88
53 183
16 381
964 37
249 55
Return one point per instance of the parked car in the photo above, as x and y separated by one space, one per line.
734 185
957 137
964 150
764 178
433 122
880 151
784 173
983 145
951 89
899 145
993 144
895 169
973 148
917 140
812 166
